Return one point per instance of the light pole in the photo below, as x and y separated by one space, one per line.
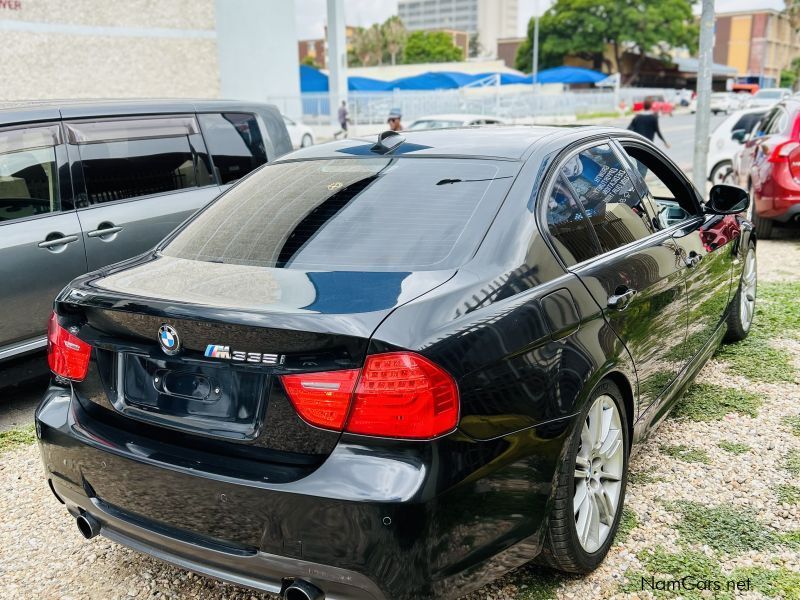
535 63
703 116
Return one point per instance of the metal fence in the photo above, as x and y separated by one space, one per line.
514 102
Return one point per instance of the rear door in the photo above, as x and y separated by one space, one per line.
634 275
136 179
41 248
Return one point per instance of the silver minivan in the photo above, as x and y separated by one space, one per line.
85 184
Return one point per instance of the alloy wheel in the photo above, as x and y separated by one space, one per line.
599 466
747 295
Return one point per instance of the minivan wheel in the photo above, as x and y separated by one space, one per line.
721 172
743 307
762 226
306 141
590 488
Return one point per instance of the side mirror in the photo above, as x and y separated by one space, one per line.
727 200
739 135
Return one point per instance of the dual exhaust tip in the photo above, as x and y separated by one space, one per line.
298 590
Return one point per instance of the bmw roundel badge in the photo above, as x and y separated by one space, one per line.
169 339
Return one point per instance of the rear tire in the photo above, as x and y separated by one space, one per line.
306 141
592 475
721 172
762 226
740 316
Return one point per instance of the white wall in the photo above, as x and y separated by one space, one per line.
257 47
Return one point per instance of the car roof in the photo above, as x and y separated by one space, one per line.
456 117
38 110
510 142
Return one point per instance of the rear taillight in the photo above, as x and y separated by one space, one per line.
397 395
782 151
794 163
67 355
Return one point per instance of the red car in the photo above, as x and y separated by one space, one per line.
659 106
770 168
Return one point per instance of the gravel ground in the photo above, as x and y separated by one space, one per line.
44 557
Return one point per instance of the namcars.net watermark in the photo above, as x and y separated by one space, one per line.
692 583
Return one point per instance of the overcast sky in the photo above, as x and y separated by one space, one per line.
311 14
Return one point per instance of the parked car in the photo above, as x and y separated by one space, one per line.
770 167
395 368
660 105
723 146
454 120
87 184
301 135
767 97
723 102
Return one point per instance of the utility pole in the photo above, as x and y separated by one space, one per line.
337 58
703 115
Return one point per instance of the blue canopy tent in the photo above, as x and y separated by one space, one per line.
569 75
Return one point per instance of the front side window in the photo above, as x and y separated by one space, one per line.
28 174
384 214
139 157
235 143
613 206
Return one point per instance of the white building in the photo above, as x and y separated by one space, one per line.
490 19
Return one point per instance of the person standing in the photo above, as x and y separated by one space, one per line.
646 123
394 120
344 119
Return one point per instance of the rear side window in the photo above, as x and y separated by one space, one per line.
139 157
393 214
569 226
606 192
28 174
235 143
748 121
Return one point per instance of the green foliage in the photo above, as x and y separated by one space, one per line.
17 437
686 454
724 528
788 78
628 522
792 462
394 36
793 422
777 316
431 46
367 46
734 447
640 478
536 583
584 28
774 583
309 61
708 402
788 494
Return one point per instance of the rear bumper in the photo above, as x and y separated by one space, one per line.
364 525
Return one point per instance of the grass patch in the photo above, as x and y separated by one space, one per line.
793 423
627 523
775 583
17 437
791 539
788 494
686 454
660 565
734 447
599 115
641 478
708 402
724 528
777 316
792 462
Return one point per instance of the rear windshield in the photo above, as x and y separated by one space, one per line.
768 94
351 214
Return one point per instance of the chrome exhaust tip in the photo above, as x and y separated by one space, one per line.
87 525
303 590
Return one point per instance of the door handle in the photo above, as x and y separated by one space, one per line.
693 259
621 300
104 231
59 241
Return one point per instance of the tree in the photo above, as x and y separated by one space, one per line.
394 37
431 46
368 45
788 77
309 61
475 46
586 28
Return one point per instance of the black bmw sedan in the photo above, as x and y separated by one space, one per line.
395 369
